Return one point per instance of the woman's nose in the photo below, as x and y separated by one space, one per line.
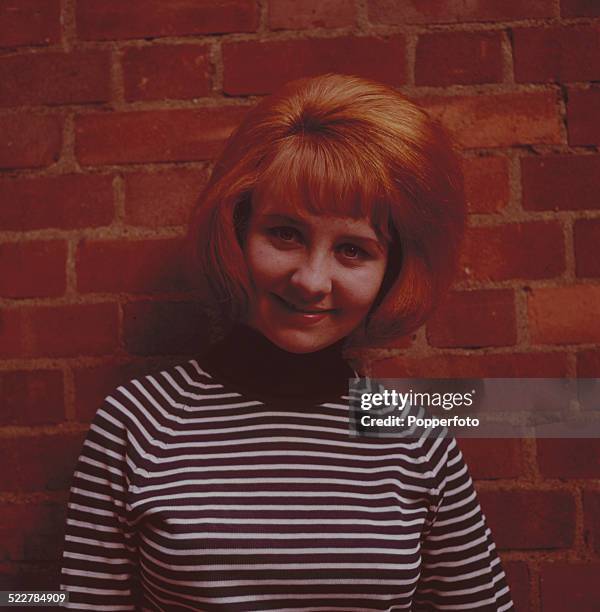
312 279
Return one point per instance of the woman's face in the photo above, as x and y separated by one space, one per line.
314 277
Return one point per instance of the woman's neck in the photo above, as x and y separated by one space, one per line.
248 360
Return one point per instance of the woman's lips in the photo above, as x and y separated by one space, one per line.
307 314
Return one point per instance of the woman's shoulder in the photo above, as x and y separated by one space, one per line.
181 390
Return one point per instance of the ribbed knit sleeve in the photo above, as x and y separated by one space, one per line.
100 559
460 567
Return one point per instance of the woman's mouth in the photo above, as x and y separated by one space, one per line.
308 314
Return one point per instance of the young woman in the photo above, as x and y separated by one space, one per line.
230 482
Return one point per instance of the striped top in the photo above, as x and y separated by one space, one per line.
190 495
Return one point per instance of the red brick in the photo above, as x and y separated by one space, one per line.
115 19
29 141
282 61
504 252
564 315
27 464
486 183
146 136
448 11
579 8
502 365
493 458
517 577
160 199
557 54
561 182
58 331
499 120
166 71
31 397
591 512
55 78
29 22
159 328
583 117
27 529
474 319
566 587
140 266
569 457
446 58
33 269
522 520
588 364
67 201
301 14
587 239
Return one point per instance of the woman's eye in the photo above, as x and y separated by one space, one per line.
351 251
285 234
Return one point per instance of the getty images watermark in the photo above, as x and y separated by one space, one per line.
480 408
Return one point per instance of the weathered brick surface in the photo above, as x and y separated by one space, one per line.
33 269
159 199
29 22
579 8
29 141
564 315
560 54
561 182
587 239
486 183
588 364
114 19
499 120
569 457
446 58
66 201
140 266
53 331
474 319
570 586
591 510
583 116
301 14
503 252
518 579
166 71
490 459
31 397
146 136
282 61
55 78
449 11
27 466
502 365
530 519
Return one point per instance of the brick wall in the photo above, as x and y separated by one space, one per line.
111 113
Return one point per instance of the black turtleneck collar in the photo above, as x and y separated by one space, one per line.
252 363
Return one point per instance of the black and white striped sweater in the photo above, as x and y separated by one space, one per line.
195 493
